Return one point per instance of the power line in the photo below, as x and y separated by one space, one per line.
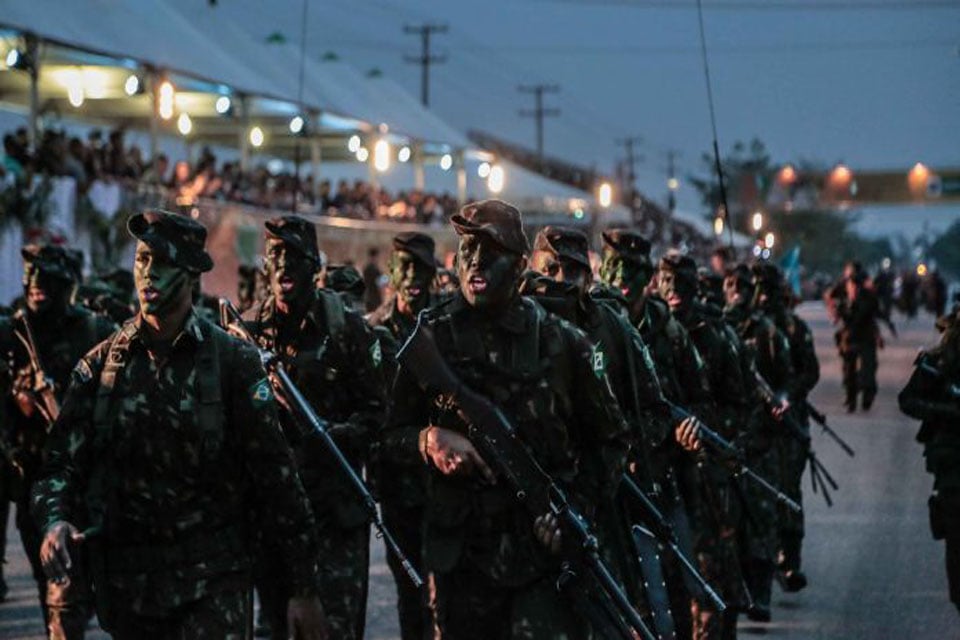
425 59
770 5
539 112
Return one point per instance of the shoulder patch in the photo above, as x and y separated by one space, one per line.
376 352
598 361
82 372
261 392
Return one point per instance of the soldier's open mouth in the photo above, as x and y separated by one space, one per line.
150 294
413 291
625 291
477 284
674 300
286 283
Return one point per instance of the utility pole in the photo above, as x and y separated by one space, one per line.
425 59
629 144
538 112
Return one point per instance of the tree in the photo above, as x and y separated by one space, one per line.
946 250
746 161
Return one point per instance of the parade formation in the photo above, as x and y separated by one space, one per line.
554 454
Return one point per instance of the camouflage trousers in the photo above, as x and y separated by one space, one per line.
860 372
792 455
345 561
759 533
66 606
468 605
406 524
218 616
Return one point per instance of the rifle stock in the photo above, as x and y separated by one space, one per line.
499 445
303 412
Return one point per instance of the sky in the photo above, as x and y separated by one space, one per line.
872 83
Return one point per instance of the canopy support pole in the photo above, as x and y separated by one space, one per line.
316 157
154 84
244 135
419 181
461 165
33 55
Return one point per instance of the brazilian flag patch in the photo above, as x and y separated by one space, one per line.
261 393
599 361
376 353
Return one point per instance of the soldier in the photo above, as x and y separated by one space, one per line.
716 507
412 268
853 304
627 268
493 576
771 298
561 254
933 396
167 444
248 286
39 345
769 355
334 359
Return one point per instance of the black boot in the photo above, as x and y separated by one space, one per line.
791 578
760 579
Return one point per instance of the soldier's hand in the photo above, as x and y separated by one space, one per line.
687 434
779 410
306 619
54 551
453 454
26 403
547 530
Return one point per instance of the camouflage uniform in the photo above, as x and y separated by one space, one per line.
61 338
683 380
933 396
793 453
166 456
633 380
857 339
402 485
769 354
717 504
334 359
491 576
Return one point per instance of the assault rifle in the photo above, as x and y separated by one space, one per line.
656 525
42 387
720 444
953 390
301 411
821 420
500 446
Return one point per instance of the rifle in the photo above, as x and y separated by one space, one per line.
656 525
953 390
43 386
723 446
500 446
821 420
301 411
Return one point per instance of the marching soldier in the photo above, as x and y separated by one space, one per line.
167 443
493 575
933 396
40 344
771 297
334 358
412 268
855 306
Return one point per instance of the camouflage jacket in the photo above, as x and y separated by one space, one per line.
61 341
335 360
168 461
803 355
544 375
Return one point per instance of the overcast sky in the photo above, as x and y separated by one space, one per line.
874 83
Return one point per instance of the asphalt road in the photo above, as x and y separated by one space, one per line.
874 571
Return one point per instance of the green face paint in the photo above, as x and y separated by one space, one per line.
161 285
291 273
678 291
44 291
627 276
563 270
411 279
488 272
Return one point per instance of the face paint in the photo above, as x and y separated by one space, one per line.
43 291
488 272
627 276
677 291
291 273
161 285
411 279
560 269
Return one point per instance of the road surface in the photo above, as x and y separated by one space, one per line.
874 571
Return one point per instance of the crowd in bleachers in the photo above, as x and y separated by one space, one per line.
183 183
